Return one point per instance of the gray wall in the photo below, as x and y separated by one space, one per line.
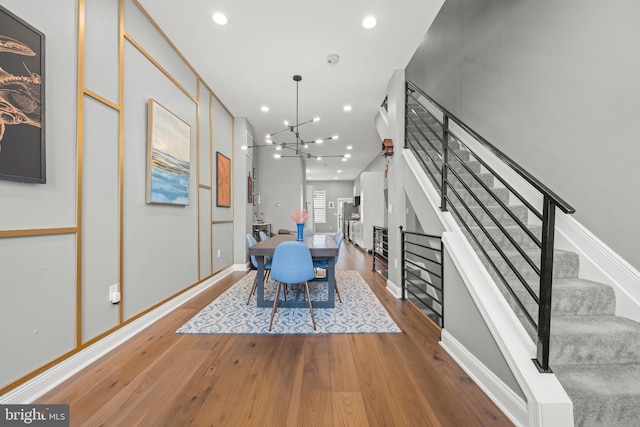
555 86
281 183
63 243
334 189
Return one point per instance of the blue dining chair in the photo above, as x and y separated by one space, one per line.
292 264
267 266
263 236
324 264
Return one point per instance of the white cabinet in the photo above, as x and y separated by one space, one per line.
372 209
356 232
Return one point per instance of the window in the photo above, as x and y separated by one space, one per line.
319 203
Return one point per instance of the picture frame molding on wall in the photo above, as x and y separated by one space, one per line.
22 144
223 181
168 157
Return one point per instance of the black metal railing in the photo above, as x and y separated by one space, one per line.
380 253
385 103
521 256
422 273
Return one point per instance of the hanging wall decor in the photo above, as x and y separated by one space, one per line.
22 148
223 181
250 189
168 157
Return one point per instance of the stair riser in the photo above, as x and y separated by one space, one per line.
499 213
591 302
595 349
517 234
565 265
485 198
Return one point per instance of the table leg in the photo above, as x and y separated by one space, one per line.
260 281
331 273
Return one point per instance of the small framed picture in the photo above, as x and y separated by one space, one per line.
331 205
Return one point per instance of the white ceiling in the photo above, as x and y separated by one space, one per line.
251 61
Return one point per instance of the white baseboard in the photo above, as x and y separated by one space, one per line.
39 385
506 399
598 262
241 267
394 289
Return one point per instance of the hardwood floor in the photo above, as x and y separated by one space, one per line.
160 378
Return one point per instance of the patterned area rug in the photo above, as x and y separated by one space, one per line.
360 311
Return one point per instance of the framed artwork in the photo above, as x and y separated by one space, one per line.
223 180
22 148
250 189
168 157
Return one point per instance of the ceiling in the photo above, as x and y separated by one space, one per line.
251 62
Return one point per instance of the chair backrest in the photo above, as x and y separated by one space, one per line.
263 236
292 263
283 231
250 242
338 238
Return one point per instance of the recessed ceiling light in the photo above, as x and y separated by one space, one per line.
220 18
308 170
244 147
318 141
347 108
339 170
286 123
269 141
264 108
344 160
277 156
334 137
316 119
319 158
369 22
349 147
347 155
278 148
335 177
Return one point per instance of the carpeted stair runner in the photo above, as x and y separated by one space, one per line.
595 354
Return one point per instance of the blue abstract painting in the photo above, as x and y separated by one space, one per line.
168 157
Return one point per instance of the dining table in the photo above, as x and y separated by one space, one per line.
320 246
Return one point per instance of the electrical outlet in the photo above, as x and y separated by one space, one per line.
395 262
114 294
218 253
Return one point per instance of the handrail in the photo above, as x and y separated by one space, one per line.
557 200
451 179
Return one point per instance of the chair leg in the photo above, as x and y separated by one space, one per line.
313 319
275 305
253 288
337 290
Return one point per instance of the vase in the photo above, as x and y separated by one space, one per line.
300 232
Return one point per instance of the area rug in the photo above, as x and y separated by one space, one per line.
360 311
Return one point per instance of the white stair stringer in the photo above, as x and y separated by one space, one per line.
547 403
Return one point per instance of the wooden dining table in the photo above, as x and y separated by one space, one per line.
320 245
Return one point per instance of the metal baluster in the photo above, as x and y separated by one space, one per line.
546 278
445 162
402 281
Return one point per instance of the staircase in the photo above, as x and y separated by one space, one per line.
594 353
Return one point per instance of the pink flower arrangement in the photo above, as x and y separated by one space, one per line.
300 216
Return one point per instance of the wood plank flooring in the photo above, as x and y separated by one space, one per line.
160 378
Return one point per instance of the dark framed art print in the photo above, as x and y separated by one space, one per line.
22 147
